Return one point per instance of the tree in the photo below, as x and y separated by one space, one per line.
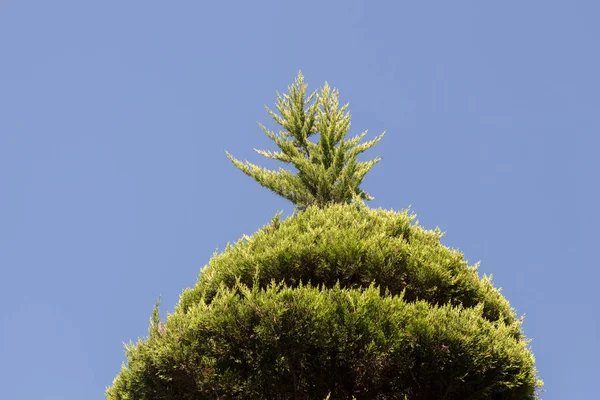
338 301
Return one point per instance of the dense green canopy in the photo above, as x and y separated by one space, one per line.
344 301
338 301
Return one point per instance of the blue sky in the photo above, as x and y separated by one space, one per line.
115 188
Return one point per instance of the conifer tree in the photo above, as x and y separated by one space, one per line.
338 301
327 171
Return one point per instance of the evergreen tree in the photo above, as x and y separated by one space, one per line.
338 301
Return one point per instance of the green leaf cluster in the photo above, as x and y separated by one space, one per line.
340 301
327 170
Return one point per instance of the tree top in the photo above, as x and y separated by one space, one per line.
326 169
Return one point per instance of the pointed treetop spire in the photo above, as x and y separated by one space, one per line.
327 170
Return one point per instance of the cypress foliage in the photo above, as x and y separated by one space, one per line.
339 301
328 171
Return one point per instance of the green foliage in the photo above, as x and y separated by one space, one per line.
343 301
328 171
339 301
155 322
283 343
355 247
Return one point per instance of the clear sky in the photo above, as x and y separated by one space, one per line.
115 188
